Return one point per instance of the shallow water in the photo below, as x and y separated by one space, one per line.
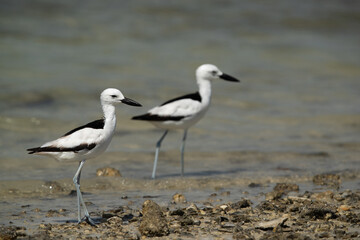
295 112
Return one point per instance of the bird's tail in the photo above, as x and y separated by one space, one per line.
142 117
33 150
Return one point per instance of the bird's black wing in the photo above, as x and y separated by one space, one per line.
194 96
157 118
97 124
153 117
84 146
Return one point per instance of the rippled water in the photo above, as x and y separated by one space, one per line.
299 66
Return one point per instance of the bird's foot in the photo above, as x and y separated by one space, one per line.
88 220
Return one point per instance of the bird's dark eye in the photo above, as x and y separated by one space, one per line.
113 96
214 72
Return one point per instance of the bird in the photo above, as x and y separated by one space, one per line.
87 141
184 111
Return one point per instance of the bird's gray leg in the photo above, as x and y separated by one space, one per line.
76 181
80 199
182 152
158 145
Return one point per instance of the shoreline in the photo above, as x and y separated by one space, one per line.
205 208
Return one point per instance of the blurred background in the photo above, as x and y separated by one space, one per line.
298 62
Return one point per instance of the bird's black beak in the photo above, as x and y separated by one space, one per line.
228 78
131 102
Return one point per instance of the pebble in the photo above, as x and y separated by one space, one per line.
331 180
53 186
115 220
274 195
178 198
224 207
192 207
225 193
244 203
228 225
286 187
107 172
344 208
324 195
266 225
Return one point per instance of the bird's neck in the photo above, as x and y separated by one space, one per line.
204 90
109 116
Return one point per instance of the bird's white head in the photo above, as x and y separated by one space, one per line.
211 72
112 96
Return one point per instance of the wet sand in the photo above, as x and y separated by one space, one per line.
275 202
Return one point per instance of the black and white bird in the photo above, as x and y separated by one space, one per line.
183 112
87 141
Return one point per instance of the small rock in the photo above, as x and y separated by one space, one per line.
286 187
202 212
254 185
339 233
267 206
325 235
244 203
318 213
177 212
221 219
352 198
112 212
331 180
175 225
45 226
273 223
186 220
327 195
128 218
107 172
226 193
178 198
115 221
52 213
197 222
344 208
36 210
153 222
299 199
228 225
322 227
274 195
192 209
224 207
53 186
240 218
149 196
240 233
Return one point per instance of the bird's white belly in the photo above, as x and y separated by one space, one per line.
82 154
184 123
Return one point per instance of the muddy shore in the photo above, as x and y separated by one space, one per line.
270 208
